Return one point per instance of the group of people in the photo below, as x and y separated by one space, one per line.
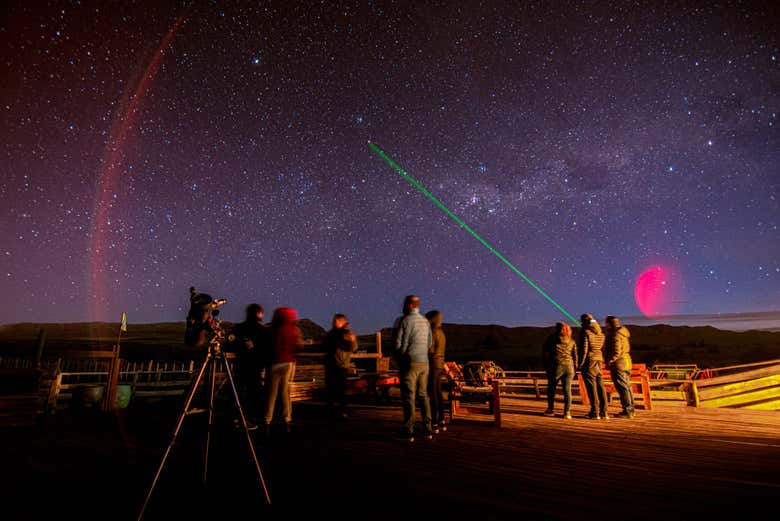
562 358
419 349
267 357
272 350
420 345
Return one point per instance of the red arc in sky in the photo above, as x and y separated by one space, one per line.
103 254
658 291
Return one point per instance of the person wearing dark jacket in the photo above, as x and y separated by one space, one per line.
287 340
252 346
559 355
339 345
618 349
436 363
592 361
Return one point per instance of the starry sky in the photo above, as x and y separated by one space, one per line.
148 147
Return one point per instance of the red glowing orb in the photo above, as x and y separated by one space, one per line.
657 291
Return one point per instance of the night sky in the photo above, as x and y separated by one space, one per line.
148 148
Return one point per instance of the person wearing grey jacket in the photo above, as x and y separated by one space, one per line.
413 340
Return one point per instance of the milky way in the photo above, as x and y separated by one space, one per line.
149 148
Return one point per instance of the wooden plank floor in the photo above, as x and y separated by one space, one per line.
668 463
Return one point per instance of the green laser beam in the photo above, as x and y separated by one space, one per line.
466 227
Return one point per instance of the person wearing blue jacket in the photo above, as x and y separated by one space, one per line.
413 339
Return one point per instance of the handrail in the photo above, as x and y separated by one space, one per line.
742 366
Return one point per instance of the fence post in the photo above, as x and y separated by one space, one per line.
54 390
583 391
112 381
646 392
41 343
496 403
694 390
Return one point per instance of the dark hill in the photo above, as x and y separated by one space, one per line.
164 340
515 348
519 348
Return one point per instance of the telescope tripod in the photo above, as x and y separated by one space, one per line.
214 357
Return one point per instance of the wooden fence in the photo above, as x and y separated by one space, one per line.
95 379
747 386
534 383
84 377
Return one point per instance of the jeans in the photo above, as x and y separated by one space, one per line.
594 385
336 387
414 382
622 382
564 373
279 384
249 387
435 394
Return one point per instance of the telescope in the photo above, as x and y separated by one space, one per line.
201 328
218 302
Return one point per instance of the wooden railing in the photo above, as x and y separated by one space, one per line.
151 379
753 386
747 386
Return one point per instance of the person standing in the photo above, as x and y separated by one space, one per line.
287 340
413 340
253 349
618 349
339 345
436 368
559 355
592 360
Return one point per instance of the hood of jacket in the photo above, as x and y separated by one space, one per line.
435 320
623 331
593 326
285 316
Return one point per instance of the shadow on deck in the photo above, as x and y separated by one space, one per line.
671 462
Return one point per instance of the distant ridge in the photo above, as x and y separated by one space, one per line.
512 347
157 340
761 320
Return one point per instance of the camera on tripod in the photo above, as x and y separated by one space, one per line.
203 327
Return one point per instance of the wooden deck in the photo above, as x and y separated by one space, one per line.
667 463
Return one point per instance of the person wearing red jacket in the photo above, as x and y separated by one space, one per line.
287 340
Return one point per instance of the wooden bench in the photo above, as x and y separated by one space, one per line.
464 391
640 385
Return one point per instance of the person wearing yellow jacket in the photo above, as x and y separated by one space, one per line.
618 349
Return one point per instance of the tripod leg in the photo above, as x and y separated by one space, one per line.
184 411
246 431
212 385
